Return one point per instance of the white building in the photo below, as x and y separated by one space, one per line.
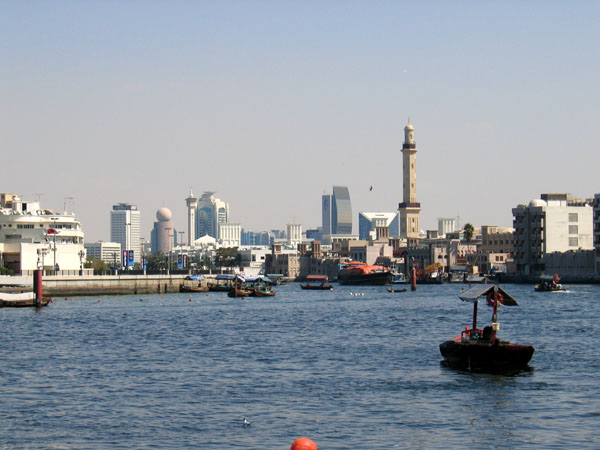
109 252
294 234
446 225
369 222
125 228
554 223
33 238
230 235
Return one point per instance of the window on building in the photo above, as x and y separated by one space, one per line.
573 229
573 242
573 217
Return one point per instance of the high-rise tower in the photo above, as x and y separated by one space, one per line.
409 209
125 228
192 204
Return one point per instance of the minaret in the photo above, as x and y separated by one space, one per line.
192 204
409 208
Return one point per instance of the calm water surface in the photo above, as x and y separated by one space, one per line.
348 371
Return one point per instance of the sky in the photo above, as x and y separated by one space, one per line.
271 103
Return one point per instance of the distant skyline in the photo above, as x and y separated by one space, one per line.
270 104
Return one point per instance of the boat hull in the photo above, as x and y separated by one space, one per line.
485 356
373 279
316 288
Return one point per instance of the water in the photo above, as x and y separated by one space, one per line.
350 372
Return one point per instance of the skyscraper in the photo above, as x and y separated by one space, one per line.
341 211
409 209
336 211
211 211
125 228
192 204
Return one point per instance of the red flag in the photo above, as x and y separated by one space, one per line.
51 231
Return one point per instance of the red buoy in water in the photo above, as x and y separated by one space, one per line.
303 444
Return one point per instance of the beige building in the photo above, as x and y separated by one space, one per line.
409 209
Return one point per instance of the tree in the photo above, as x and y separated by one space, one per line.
468 231
227 257
94 263
157 261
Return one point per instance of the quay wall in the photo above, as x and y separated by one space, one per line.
104 285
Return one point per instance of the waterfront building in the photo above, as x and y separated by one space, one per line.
192 204
409 209
34 238
230 235
314 234
446 225
109 252
210 212
553 223
369 222
294 234
125 228
164 233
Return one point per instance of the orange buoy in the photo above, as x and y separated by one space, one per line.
99 301
303 444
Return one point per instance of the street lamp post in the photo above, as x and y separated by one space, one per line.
143 240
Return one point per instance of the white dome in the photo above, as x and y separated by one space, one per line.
163 215
409 127
537 202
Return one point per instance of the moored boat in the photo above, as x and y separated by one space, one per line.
317 282
222 283
481 350
359 273
391 289
21 300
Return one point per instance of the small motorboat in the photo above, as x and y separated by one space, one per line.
549 283
481 350
21 300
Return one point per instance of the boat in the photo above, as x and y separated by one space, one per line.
21 300
258 285
481 350
549 283
262 291
360 273
391 289
184 288
223 283
398 278
317 282
239 289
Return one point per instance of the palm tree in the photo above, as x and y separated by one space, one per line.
468 231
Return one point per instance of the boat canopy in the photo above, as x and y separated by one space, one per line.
195 278
547 277
316 277
473 294
225 276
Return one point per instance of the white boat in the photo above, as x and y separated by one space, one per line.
20 299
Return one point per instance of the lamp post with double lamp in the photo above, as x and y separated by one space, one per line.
81 255
53 231
143 241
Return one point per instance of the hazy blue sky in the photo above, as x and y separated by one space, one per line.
271 103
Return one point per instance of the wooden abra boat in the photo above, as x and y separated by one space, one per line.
481 350
317 282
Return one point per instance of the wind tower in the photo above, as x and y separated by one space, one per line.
192 204
409 209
